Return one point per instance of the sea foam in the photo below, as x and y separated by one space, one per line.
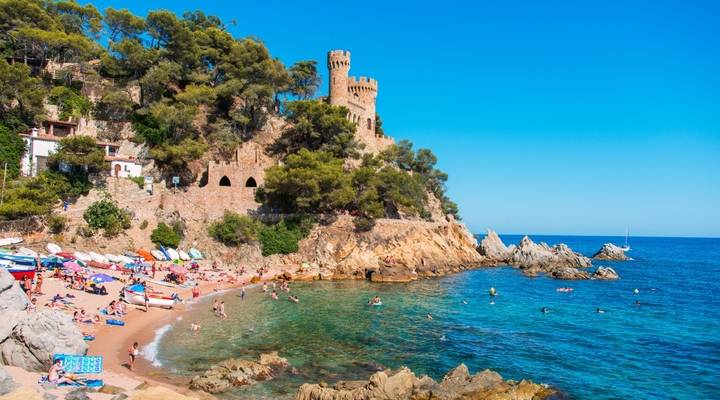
150 351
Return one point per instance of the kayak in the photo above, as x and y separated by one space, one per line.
195 253
53 248
82 256
97 257
158 255
165 253
27 252
138 298
174 255
145 255
183 255
66 254
10 241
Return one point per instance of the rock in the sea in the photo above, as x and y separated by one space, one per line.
492 248
610 252
530 254
605 273
12 298
29 340
402 384
235 372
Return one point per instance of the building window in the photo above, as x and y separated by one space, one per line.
369 123
224 181
251 182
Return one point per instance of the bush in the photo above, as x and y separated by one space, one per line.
84 231
105 214
283 237
139 180
56 223
364 224
144 224
165 236
234 229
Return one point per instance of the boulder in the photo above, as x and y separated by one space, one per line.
12 298
606 274
235 372
492 248
35 337
610 252
402 384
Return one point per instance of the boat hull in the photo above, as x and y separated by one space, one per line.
154 301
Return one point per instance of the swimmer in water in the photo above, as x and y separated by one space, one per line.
493 292
195 328
636 291
600 311
443 338
465 302
429 316
544 310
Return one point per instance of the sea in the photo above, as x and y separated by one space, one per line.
661 342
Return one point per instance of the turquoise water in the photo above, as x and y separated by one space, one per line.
668 347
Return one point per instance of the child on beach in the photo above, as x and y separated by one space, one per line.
216 306
133 352
196 292
221 311
195 328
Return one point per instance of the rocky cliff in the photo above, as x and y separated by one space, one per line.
610 252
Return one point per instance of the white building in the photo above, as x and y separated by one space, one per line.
41 142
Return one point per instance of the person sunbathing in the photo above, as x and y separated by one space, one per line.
57 375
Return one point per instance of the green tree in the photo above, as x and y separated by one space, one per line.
12 147
114 106
318 126
20 94
105 214
122 24
308 182
80 153
71 104
305 79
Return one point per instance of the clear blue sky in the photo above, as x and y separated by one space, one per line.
557 117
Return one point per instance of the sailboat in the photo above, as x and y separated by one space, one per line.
627 246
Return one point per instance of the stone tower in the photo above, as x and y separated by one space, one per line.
358 95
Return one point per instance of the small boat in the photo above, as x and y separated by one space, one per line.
183 255
27 252
165 253
174 255
126 260
627 246
195 254
113 258
18 271
97 257
66 254
564 289
10 241
18 258
158 255
82 256
136 295
53 248
146 255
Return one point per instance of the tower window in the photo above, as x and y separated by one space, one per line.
369 123
225 181
250 182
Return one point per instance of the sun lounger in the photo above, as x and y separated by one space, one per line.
73 364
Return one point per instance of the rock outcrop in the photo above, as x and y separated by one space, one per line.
235 372
394 251
29 340
12 298
610 252
606 274
402 384
559 261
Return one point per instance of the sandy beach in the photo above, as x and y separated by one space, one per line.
112 342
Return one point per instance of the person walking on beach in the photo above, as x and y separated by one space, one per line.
38 284
216 306
133 352
221 311
196 292
242 291
147 299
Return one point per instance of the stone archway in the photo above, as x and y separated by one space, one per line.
225 181
251 182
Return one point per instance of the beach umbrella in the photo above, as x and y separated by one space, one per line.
53 262
72 266
100 278
178 269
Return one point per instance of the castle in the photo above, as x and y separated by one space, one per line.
359 95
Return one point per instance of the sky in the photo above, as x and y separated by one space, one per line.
550 117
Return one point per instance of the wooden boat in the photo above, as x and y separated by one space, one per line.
82 256
146 255
183 255
18 271
158 255
27 252
137 297
10 241
52 248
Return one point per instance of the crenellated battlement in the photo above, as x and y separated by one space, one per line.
338 59
362 84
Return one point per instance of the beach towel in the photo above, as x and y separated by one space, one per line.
93 383
116 322
73 364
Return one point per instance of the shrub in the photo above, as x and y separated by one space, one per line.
363 224
234 229
139 180
165 236
56 223
84 231
283 237
105 214
144 224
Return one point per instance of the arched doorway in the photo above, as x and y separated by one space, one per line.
225 181
116 170
250 182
